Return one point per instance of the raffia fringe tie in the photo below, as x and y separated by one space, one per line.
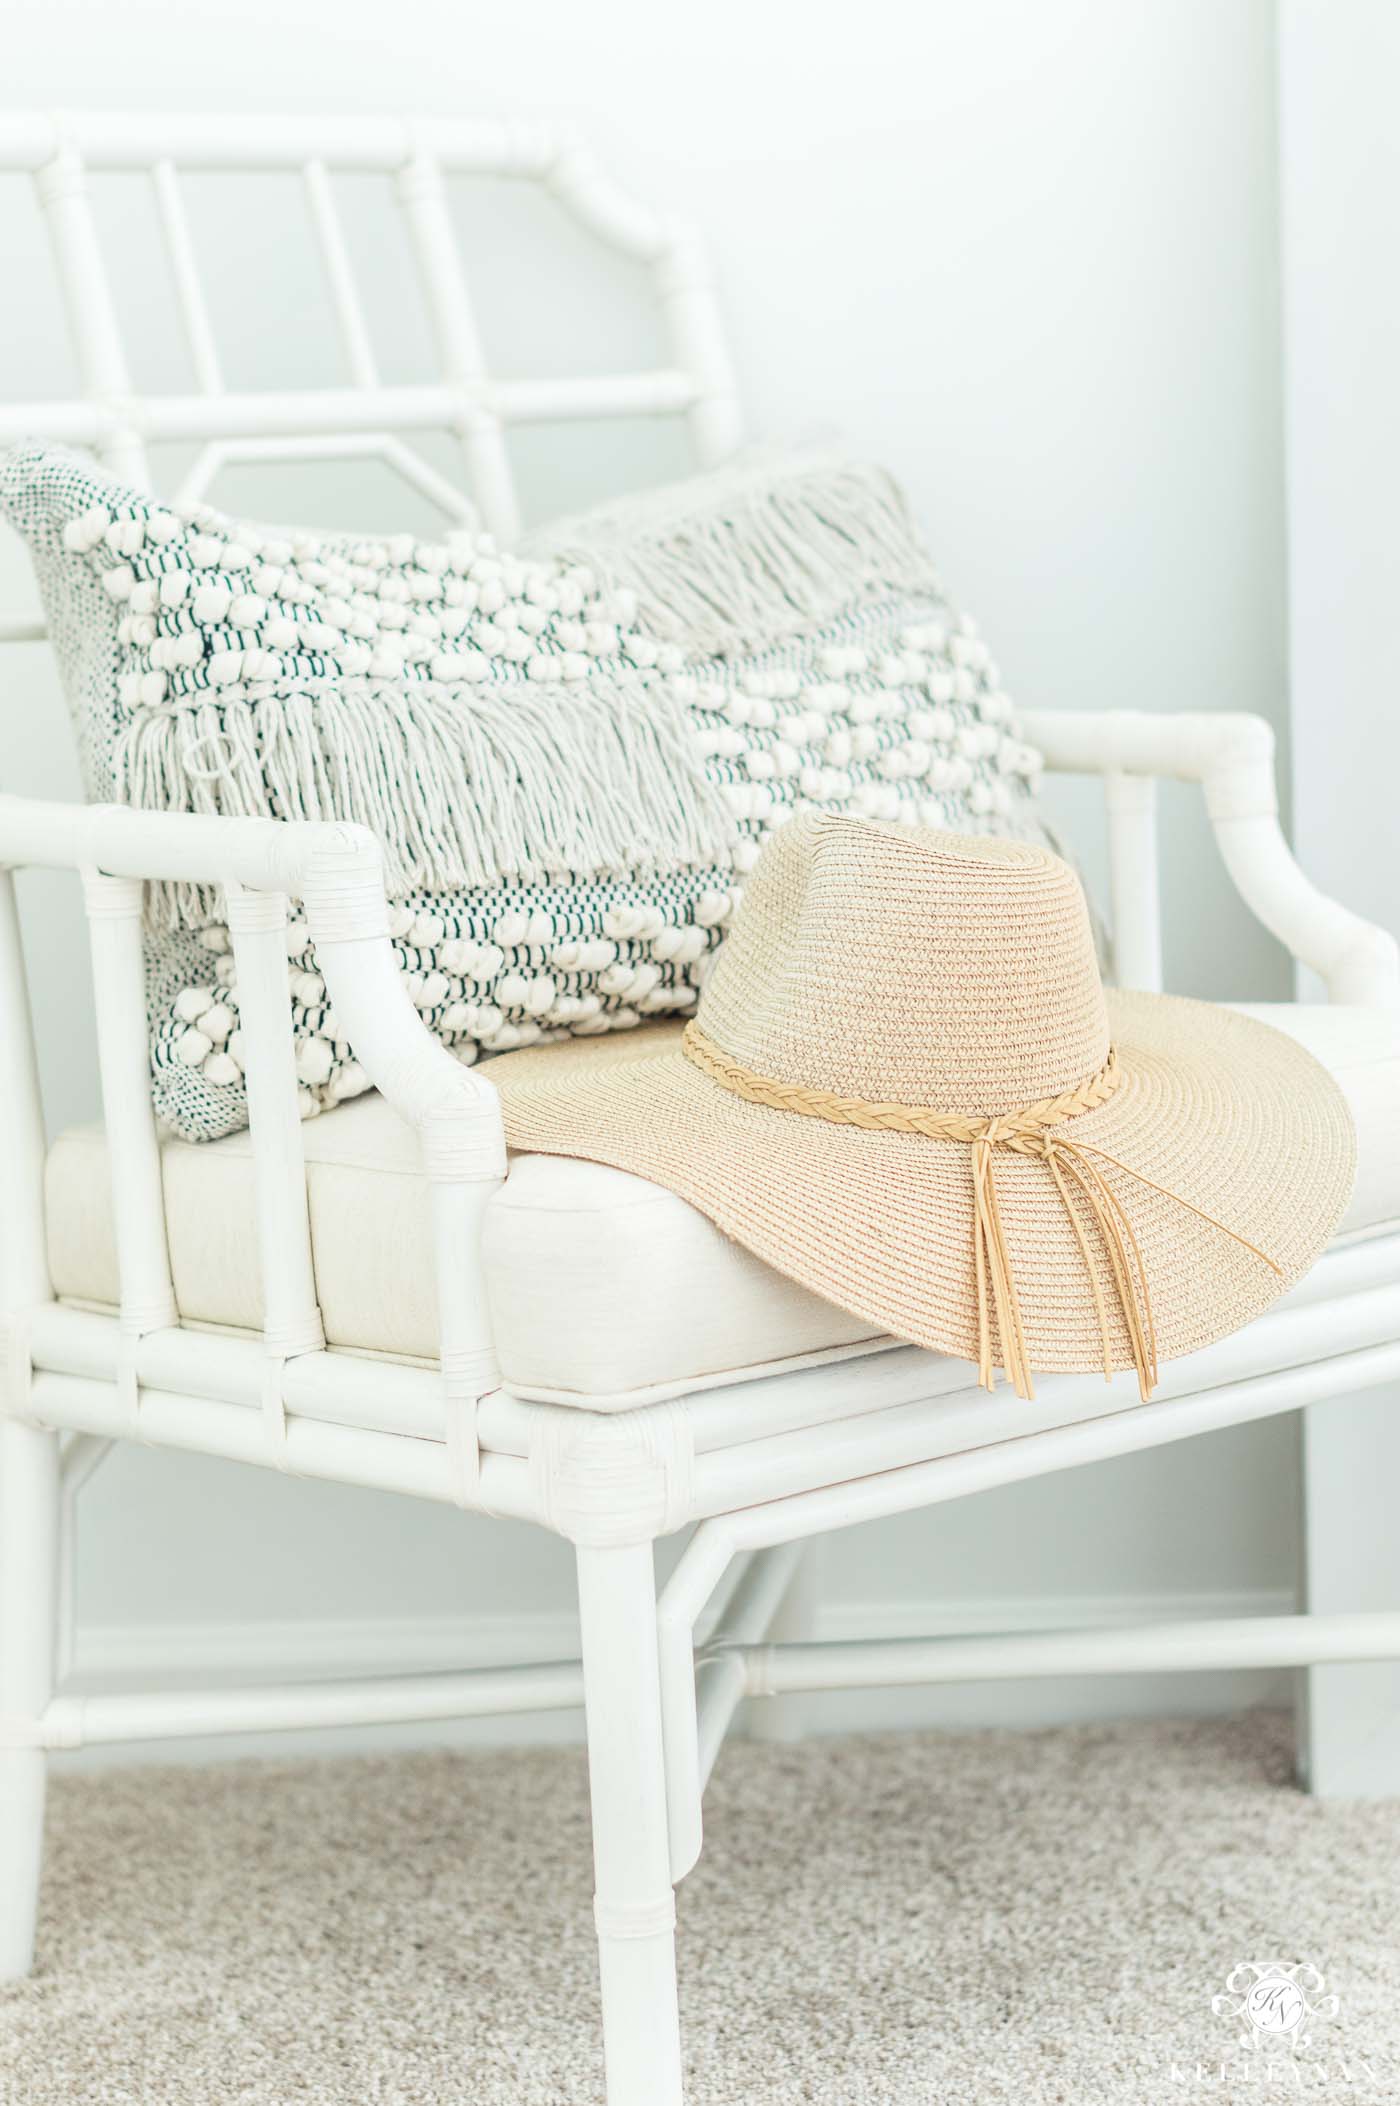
1033 1130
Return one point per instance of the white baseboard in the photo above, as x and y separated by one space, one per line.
300 1648
154 1656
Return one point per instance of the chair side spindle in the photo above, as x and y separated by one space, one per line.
291 1314
123 1045
1134 884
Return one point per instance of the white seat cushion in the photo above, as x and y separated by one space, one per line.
605 1291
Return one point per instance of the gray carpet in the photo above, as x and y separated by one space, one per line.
911 1920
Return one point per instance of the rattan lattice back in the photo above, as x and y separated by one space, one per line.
366 418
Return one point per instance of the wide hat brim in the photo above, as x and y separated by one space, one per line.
1218 1108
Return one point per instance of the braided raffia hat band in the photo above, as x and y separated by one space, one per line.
906 1088
1033 1129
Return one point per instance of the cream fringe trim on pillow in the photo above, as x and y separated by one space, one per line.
475 784
738 559
464 785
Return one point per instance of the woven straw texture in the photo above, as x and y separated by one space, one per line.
917 968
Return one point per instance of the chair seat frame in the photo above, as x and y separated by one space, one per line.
754 1470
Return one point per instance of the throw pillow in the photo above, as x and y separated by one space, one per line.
571 755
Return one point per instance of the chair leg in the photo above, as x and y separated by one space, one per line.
1349 1717
28 1572
634 1905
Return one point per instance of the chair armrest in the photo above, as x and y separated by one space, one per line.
337 871
1232 757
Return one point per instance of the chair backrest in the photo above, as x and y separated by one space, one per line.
357 417
367 418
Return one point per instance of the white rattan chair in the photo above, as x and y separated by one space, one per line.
799 1432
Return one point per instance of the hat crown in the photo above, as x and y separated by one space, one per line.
903 965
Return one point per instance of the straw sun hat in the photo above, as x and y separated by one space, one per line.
906 1087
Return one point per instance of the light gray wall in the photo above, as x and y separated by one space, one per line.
1026 255
1341 179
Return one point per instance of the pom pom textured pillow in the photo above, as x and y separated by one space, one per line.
571 756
